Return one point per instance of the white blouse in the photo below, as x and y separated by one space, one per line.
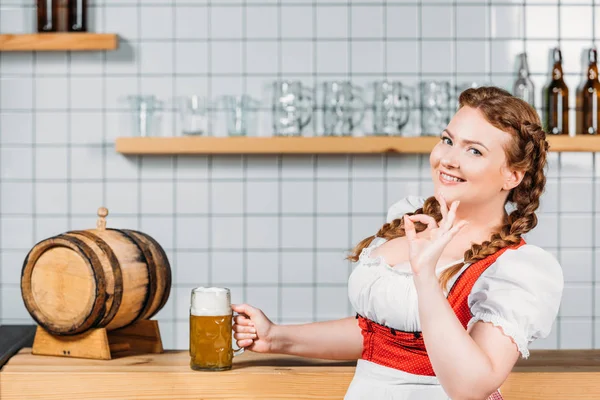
520 292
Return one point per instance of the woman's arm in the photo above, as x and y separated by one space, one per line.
334 340
469 365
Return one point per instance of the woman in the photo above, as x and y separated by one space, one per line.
447 292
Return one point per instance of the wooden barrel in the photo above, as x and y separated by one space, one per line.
95 278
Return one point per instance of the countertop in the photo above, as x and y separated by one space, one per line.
548 375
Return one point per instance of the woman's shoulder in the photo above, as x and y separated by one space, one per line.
521 293
528 266
405 205
529 257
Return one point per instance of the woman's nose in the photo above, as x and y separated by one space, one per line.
449 161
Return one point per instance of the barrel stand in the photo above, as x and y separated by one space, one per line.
140 337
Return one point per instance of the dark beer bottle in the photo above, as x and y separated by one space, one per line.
46 20
588 104
61 12
557 99
78 15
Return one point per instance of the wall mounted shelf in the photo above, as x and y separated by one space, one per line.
59 42
311 145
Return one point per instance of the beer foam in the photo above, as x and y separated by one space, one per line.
210 301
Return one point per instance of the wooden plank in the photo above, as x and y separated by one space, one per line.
182 385
58 42
312 145
552 386
91 344
274 145
141 337
578 143
546 375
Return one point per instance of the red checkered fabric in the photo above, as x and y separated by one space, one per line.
495 396
406 350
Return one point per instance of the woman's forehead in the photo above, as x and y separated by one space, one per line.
470 124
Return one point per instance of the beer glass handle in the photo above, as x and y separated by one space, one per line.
237 352
359 106
405 116
240 351
307 97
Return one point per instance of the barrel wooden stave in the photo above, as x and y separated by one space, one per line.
123 276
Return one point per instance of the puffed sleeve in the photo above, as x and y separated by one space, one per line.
406 205
520 293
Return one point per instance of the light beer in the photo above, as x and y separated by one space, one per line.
211 318
210 342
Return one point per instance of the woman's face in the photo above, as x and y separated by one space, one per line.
471 151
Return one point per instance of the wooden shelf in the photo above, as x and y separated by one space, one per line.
311 145
274 145
59 42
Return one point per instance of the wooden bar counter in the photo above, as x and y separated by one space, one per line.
547 375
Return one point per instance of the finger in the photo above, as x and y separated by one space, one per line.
244 329
443 206
242 320
451 215
242 336
245 309
457 228
447 223
425 219
244 343
409 229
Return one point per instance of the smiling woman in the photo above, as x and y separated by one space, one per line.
447 293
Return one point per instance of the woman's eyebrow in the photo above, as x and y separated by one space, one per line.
467 141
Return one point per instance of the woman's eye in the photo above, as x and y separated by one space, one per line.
446 140
476 152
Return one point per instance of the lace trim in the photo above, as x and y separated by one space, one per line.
365 254
366 259
509 329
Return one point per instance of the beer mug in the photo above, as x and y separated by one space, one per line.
240 112
391 104
193 113
211 319
292 108
435 107
145 115
343 108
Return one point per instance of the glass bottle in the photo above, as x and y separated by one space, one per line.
588 104
61 14
556 96
46 20
78 15
523 87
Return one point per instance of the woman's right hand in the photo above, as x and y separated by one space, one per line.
253 330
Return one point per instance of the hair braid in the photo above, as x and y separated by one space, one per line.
526 152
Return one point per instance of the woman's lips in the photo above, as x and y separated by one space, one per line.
450 181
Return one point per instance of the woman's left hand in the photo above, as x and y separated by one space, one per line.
424 252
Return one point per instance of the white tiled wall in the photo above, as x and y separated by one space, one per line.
274 229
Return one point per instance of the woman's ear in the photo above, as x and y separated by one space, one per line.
512 179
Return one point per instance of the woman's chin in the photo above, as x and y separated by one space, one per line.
448 194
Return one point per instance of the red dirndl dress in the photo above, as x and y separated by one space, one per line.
406 351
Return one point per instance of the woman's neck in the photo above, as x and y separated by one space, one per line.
484 220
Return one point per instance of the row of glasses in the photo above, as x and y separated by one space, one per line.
193 114
343 107
293 104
